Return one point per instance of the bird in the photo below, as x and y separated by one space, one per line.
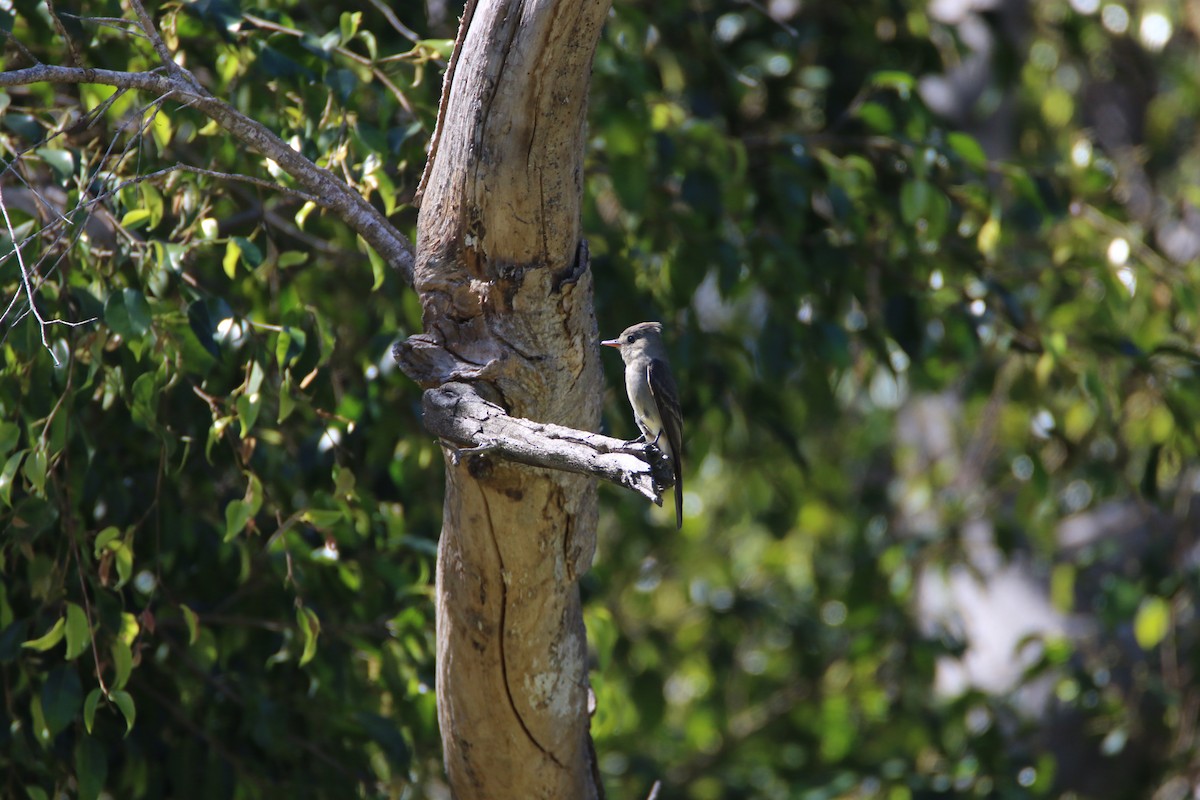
653 395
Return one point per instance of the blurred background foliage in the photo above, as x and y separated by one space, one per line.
929 274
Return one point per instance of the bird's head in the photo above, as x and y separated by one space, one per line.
645 337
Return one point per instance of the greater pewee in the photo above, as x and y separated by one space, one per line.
653 395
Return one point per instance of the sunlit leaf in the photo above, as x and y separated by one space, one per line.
1152 623
310 629
49 638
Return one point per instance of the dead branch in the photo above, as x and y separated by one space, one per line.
456 413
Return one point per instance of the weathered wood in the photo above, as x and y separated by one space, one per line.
507 298
456 413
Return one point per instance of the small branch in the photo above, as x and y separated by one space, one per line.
345 52
164 53
394 21
21 48
27 284
457 414
332 193
447 82
225 176
76 58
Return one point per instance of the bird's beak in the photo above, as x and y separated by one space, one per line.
611 342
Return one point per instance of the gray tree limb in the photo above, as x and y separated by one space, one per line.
455 412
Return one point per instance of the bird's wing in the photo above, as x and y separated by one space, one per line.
666 397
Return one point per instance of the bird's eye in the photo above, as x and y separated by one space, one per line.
630 339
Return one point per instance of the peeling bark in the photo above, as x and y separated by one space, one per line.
507 299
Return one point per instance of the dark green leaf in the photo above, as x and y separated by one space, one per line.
62 694
91 767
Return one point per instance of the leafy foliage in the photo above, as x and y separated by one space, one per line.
909 304
220 508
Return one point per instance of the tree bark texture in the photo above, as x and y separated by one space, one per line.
507 297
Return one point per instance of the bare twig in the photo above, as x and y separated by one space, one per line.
394 21
345 52
164 53
76 58
27 283
447 82
226 176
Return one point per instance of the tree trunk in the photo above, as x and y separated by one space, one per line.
507 298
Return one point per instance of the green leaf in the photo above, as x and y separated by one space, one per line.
78 631
310 629
127 313
192 620
343 482
233 252
877 117
123 557
254 493
322 518
251 254
1152 622
197 355
89 708
50 638
378 268
35 470
144 405
289 346
442 48
91 767
343 82
291 258
61 695
287 403
914 200
901 82
348 24
10 433
124 702
103 538
237 514
122 663
8 473
152 199
61 161
968 149
135 218
248 406
129 628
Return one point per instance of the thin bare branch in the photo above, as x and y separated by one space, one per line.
164 53
21 48
27 284
345 52
447 82
226 176
76 57
394 21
